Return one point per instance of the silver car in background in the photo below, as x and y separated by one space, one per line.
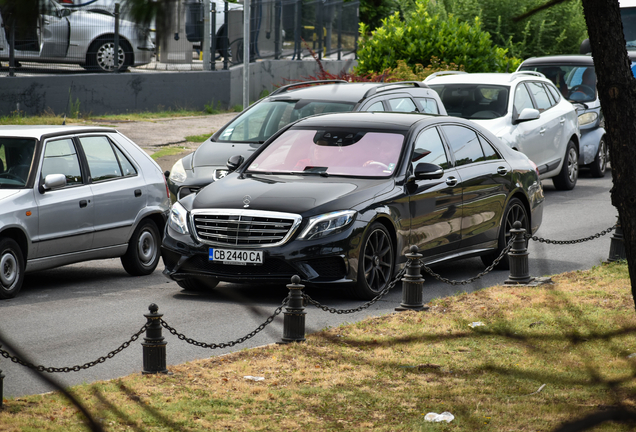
71 194
64 35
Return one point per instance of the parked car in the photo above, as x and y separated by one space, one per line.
71 194
575 78
338 199
525 110
244 134
84 37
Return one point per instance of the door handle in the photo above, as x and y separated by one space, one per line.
451 181
542 131
137 192
562 121
83 203
502 170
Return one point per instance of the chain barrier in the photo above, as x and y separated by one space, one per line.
471 280
226 344
75 368
568 242
382 294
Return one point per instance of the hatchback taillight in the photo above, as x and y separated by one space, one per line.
534 165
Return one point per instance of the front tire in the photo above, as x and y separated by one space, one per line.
11 268
142 255
515 211
376 262
569 174
599 165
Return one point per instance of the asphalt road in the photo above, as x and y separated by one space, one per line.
76 314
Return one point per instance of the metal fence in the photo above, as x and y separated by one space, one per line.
99 36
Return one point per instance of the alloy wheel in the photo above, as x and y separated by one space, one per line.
378 260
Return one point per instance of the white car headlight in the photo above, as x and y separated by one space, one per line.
177 173
178 220
587 118
326 224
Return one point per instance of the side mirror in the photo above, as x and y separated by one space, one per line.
54 181
428 171
527 114
64 12
585 47
234 162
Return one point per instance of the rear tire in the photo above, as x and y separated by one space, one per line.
11 268
143 253
515 211
194 284
569 174
376 262
599 165
100 55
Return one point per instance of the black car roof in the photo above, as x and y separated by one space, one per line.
363 120
344 92
582 60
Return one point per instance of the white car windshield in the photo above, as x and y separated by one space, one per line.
16 155
331 152
265 119
474 101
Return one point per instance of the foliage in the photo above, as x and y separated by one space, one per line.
559 29
423 36
404 72
372 12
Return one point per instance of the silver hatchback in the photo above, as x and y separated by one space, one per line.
71 194
62 35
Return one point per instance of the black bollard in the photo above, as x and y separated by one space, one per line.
518 257
617 245
412 283
154 347
294 317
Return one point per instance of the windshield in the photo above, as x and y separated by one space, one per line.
331 152
264 119
576 83
16 155
473 101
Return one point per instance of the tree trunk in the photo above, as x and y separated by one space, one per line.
617 92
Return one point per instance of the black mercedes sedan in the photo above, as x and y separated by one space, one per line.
338 199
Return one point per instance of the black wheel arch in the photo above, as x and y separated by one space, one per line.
20 238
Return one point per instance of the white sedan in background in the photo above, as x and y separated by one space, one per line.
525 110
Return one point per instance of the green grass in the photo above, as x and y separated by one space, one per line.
168 151
198 138
546 355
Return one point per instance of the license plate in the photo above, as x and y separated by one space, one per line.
236 257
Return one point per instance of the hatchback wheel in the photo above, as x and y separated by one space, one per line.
143 255
569 174
515 211
376 262
11 268
101 56
599 165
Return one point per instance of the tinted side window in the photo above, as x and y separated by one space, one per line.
402 105
429 148
60 157
554 92
376 107
540 95
464 144
522 99
489 152
429 105
102 162
127 168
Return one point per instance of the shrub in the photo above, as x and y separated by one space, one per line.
423 36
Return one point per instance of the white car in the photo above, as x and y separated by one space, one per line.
525 110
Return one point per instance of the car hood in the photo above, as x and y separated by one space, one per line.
290 194
212 153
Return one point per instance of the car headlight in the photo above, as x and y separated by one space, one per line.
177 173
326 224
587 118
178 220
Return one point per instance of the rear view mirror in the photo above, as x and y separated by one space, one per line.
54 181
428 171
234 162
527 114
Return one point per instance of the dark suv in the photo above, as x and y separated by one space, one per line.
261 120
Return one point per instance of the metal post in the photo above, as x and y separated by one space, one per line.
12 48
208 37
294 317
412 283
1 388
116 42
226 36
246 53
278 45
518 257
339 31
617 244
318 31
154 347
298 25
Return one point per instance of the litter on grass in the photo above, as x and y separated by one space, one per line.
434 417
